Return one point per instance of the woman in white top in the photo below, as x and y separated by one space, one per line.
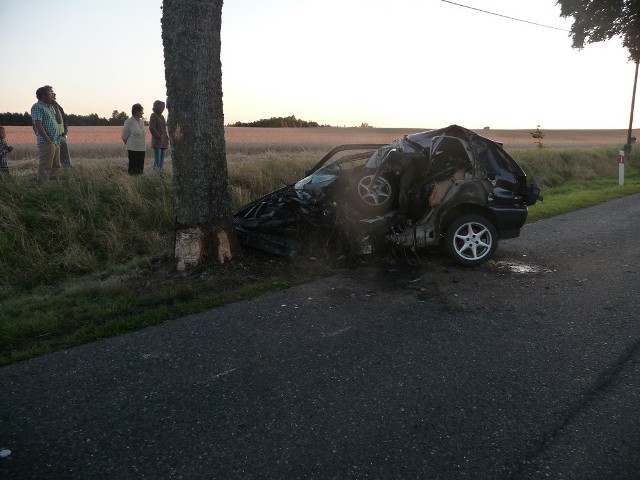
133 135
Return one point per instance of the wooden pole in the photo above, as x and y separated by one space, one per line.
627 147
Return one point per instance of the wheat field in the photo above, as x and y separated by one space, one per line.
328 137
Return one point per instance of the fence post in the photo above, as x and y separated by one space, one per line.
621 156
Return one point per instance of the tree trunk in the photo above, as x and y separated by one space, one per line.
193 72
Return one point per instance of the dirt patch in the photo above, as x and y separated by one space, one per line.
248 269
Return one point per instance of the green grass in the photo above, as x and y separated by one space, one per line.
555 167
90 256
90 220
577 194
53 319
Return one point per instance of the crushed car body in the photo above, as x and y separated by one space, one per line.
448 186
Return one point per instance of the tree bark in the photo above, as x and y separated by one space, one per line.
193 73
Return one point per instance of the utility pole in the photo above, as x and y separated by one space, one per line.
627 147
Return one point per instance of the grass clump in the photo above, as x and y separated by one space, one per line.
88 220
251 179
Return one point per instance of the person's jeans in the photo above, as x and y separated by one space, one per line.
65 160
158 158
48 162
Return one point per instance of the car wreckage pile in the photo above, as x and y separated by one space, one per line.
448 185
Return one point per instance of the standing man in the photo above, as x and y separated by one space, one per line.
63 129
46 116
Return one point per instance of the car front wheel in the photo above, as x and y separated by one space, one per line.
471 240
375 194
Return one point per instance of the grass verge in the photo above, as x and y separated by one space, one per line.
577 194
51 318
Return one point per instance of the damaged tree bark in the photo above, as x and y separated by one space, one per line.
193 73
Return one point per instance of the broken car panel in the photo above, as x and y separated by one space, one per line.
448 186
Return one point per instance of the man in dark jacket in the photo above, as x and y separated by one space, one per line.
63 129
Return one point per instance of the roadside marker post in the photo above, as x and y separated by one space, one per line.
621 167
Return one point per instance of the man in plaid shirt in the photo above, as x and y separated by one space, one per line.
46 117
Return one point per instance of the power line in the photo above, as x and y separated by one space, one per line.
505 16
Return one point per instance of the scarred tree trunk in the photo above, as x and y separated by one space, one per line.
193 72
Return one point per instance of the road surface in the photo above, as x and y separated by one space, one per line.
527 367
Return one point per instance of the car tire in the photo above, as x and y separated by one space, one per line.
471 240
374 194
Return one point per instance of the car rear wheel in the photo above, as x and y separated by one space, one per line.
471 240
374 194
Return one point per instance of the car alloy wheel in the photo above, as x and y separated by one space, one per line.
471 240
375 191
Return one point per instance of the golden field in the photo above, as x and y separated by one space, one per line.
327 137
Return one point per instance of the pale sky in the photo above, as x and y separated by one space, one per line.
406 63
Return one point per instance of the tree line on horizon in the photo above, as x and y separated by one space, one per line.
118 119
288 122
91 120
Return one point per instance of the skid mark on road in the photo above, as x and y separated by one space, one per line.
609 377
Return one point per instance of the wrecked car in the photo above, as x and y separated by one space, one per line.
449 186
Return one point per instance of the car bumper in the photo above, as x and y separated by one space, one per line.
509 220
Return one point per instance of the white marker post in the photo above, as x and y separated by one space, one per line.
621 167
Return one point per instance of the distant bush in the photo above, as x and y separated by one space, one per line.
278 122
538 135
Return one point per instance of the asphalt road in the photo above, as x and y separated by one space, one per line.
525 368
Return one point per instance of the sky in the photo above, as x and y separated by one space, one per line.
401 64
